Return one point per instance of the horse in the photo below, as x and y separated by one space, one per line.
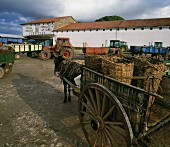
69 70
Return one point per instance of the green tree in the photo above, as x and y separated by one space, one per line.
110 18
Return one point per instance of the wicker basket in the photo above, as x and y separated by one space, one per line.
112 66
154 70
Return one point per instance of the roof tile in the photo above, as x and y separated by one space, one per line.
117 24
44 20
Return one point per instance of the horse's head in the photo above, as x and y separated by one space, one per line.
57 62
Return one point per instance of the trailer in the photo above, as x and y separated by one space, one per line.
114 47
32 50
155 50
7 58
114 113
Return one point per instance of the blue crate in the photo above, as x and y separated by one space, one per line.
163 50
148 50
154 50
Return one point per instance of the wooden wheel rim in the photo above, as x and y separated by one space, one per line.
17 56
101 128
2 72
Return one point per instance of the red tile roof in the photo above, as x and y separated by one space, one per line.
117 24
44 20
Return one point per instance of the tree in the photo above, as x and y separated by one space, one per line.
110 18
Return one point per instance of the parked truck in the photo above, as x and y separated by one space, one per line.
114 47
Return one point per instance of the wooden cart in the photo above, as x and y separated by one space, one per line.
114 113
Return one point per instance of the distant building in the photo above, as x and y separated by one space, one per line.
134 32
42 30
10 38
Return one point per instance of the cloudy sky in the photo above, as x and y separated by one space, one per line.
15 12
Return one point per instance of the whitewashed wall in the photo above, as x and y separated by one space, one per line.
38 29
92 38
132 37
146 36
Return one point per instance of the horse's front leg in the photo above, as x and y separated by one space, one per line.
69 93
65 91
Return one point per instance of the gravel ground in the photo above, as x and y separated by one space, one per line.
32 112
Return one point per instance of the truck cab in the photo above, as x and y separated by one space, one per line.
119 44
115 43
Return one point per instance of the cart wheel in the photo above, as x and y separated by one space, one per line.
8 69
2 72
17 56
103 119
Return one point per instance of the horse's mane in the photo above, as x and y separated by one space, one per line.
69 69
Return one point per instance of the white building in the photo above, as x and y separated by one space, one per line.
135 32
42 30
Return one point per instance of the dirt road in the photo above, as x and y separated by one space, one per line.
32 112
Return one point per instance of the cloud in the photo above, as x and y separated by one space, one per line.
21 11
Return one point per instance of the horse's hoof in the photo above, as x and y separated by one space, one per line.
69 100
64 101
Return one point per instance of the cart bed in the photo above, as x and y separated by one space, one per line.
135 101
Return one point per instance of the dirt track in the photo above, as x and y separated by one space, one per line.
32 112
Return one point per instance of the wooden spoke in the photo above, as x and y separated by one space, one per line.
103 106
96 140
104 139
111 139
118 130
89 108
86 122
86 113
109 112
93 100
89 102
104 120
113 123
120 135
98 101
